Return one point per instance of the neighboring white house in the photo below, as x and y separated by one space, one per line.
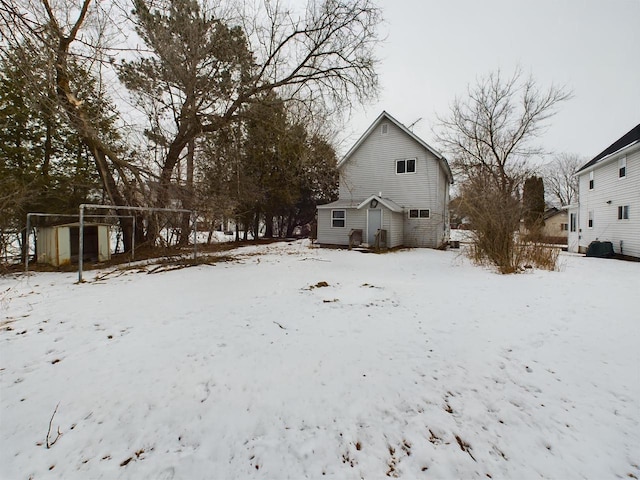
609 198
393 182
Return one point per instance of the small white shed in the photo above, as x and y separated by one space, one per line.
58 244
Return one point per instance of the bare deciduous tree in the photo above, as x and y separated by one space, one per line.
560 180
491 136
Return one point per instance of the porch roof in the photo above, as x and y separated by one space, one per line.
362 203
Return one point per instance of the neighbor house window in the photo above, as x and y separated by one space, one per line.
622 167
384 129
564 227
406 166
590 180
573 222
419 213
338 218
623 212
590 219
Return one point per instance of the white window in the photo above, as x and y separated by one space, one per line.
419 213
407 165
338 218
590 219
623 212
622 167
384 129
591 180
573 222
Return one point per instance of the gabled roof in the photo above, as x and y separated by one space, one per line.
359 204
390 204
629 138
424 144
552 212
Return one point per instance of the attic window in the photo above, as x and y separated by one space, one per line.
384 129
406 165
591 180
622 167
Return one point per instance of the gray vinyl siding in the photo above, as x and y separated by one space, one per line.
394 223
608 187
327 234
371 169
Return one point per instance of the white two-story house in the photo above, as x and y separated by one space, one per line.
391 182
609 198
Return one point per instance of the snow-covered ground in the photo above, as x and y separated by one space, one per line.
411 364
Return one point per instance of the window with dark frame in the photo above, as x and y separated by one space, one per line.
407 165
623 212
338 218
573 222
419 213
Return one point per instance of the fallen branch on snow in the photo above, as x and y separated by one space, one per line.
51 443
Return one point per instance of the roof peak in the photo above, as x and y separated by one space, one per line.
406 130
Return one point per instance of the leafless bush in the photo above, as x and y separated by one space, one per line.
491 138
538 255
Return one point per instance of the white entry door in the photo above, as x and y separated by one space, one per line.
374 223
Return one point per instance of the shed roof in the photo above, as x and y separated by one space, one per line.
75 224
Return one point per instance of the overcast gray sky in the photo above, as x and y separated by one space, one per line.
435 48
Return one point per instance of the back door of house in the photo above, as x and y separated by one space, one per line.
374 223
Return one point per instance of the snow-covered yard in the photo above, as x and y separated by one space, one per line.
412 364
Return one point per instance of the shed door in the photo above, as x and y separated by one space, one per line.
374 223
89 245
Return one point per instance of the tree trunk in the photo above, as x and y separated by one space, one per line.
256 223
83 125
291 225
268 222
187 199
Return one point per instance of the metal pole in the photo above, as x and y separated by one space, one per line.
133 240
26 260
80 243
195 235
